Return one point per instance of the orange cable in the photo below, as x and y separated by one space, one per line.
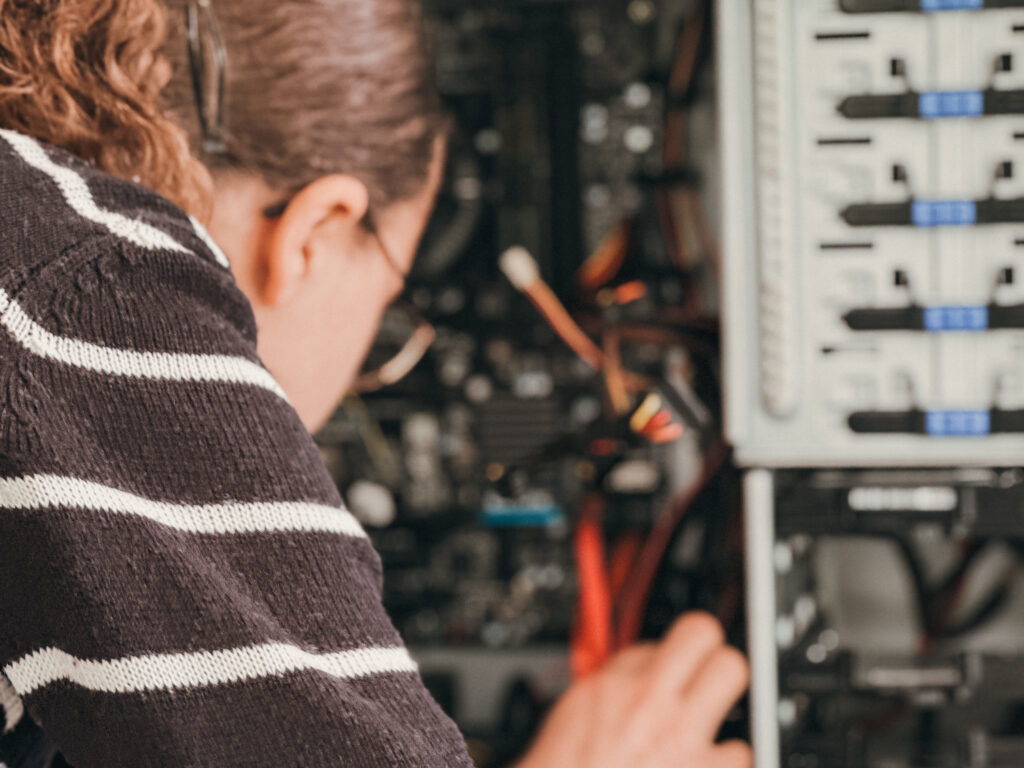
637 589
592 637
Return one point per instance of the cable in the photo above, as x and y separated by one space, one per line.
694 205
521 270
919 584
632 602
671 335
399 366
592 637
614 378
943 599
935 604
648 410
624 555
688 405
987 608
383 458
606 261
449 231
629 292
673 146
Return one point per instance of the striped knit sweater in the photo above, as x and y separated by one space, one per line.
180 583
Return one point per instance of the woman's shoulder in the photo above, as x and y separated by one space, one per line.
123 336
103 260
53 199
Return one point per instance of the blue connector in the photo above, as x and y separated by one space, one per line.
941 319
930 6
958 423
935 104
944 213
522 516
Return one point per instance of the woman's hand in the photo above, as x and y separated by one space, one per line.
653 705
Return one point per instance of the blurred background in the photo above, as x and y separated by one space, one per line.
585 132
776 332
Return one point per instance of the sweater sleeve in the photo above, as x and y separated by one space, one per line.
182 585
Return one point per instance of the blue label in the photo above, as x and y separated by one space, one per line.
958 423
515 517
933 104
939 319
943 213
930 6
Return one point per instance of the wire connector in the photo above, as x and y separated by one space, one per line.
519 267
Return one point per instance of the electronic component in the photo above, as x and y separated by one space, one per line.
937 319
955 423
873 612
981 503
875 374
924 6
932 105
935 213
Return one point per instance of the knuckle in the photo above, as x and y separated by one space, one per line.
698 625
733 664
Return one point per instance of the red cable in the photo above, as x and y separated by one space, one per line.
592 638
627 547
632 603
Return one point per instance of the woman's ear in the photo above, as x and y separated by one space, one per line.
288 248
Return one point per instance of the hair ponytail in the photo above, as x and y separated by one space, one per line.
313 87
86 76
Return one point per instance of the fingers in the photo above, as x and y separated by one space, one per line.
732 754
714 689
686 647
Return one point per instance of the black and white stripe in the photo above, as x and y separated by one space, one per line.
173 671
79 199
116 361
45 492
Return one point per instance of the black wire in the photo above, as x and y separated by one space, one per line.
680 406
959 571
931 600
683 100
918 580
989 608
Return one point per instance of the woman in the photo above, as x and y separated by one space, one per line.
181 584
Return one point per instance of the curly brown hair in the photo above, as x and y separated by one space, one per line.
86 76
